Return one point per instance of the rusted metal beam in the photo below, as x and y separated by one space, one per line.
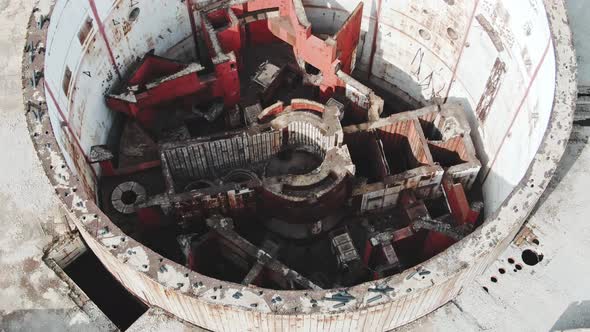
224 227
269 247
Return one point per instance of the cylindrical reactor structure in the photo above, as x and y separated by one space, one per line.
510 64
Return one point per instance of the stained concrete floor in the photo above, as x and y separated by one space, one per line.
552 295
32 296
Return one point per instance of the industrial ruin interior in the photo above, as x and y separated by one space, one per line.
263 160
295 164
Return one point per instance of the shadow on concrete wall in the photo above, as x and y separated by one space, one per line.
575 146
576 316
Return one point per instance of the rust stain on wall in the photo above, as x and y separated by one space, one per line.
489 29
491 90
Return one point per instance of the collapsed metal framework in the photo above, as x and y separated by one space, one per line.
364 171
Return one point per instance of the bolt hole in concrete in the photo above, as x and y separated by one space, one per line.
452 34
129 197
511 260
536 241
112 299
518 267
494 279
424 34
486 289
134 14
531 257
502 271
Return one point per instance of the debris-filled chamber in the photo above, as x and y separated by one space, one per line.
276 160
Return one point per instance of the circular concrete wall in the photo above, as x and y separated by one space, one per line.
509 62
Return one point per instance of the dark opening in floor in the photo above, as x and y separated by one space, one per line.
122 308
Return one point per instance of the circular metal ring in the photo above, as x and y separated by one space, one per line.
126 195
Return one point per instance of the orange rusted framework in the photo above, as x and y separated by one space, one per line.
337 52
158 82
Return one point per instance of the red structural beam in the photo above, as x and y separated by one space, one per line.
460 211
231 34
457 202
108 169
296 105
328 56
142 103
153 67
159 81
226 65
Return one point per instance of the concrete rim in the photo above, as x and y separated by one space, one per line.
445 273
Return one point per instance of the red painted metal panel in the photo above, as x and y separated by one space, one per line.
461 212
347 39
153 67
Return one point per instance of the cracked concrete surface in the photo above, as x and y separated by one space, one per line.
552 295
32 296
